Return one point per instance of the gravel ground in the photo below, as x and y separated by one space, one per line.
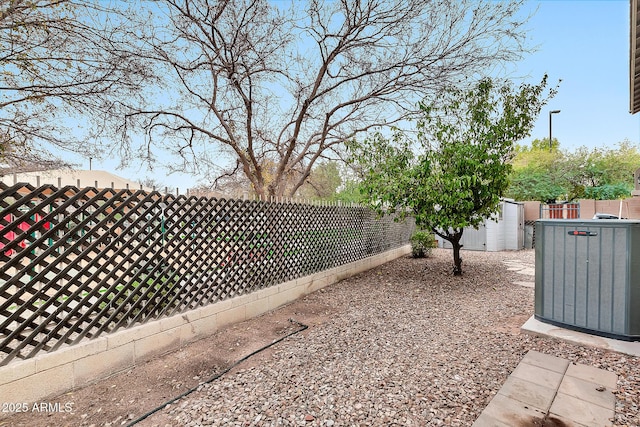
407 344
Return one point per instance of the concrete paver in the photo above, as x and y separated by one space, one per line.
532 394
557 420
536 327
552 388
582 411
538 375
546 361
511 412
588 391
594 375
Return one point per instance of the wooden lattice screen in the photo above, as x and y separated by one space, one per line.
77 263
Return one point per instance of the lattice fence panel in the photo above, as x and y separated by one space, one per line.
78 263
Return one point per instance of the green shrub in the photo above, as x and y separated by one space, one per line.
421 244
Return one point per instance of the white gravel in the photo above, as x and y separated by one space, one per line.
411 345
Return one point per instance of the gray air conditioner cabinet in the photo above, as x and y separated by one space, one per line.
588 276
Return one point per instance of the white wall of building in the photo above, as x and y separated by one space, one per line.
76 178
503 232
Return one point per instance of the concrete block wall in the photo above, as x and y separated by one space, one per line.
48 374
588 207
630 207
531 211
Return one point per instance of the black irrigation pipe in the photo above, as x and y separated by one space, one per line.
218 375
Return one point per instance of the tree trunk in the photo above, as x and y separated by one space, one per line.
454 238
457 260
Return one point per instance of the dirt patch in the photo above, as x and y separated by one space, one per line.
511 325
127 395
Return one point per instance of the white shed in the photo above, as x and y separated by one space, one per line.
505 231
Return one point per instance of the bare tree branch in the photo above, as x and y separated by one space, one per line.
64 64
278 87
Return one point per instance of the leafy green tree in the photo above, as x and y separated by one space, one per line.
538 172
528 184
323 182
608 191
350 192
465 143
602 173
597 173
622 161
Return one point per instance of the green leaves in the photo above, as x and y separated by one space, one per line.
542 174
466 138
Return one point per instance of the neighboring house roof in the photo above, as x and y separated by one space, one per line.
77 178
634 57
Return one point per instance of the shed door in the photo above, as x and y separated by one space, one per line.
520 226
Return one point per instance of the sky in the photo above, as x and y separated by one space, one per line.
585 44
